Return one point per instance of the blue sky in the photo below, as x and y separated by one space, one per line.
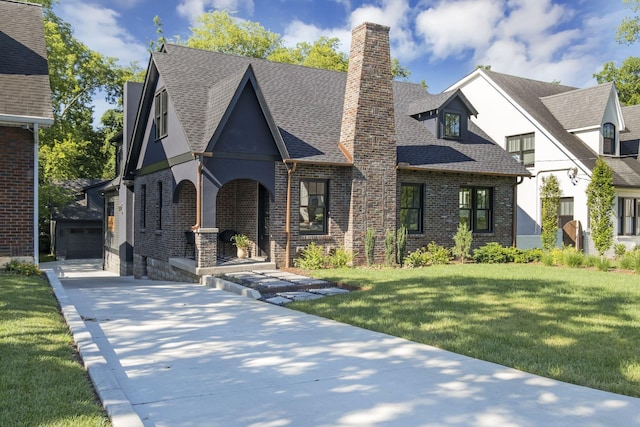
439 41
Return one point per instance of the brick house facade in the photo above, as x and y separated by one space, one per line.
25 107
252 155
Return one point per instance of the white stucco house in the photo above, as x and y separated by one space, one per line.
561 130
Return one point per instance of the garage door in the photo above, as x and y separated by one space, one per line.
84 243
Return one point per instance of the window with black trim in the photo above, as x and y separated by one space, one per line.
452 125
411 203
159 207
476 208
628 216
313 206
143 206
161 108
522 148
608 139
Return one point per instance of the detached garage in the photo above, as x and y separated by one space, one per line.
76 230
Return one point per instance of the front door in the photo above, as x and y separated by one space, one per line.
264 243
565 215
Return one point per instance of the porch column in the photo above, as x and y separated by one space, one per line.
206 247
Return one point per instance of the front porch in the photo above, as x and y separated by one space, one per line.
223 265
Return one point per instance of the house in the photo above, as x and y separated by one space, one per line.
76 229
291 155
25 107
562 130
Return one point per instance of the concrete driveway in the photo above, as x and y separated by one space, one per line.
177 354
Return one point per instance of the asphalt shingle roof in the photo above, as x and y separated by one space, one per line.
306 105
24 74
580 108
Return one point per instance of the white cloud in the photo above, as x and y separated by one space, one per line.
191 9
298 31
100 30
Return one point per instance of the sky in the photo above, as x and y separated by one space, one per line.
439 41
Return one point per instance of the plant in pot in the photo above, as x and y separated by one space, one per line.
241 242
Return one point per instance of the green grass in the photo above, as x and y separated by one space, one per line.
575 325
41 381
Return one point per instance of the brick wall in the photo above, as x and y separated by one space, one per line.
16 192
237 209
441 214
183 218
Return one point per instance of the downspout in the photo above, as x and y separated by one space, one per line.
514 220
287 227
36 245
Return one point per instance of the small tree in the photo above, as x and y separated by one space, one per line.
389 246
370 245
600 196
401 244
462 239
550 194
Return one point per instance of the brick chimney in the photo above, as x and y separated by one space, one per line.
368 138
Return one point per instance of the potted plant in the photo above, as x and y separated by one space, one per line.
241 242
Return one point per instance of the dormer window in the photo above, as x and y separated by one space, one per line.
452 125
609 139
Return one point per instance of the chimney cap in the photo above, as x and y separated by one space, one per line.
372 26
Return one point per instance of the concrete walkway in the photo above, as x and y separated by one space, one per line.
170 354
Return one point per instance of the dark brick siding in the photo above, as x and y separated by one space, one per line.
16 192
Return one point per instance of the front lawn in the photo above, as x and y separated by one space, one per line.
41 382
575 325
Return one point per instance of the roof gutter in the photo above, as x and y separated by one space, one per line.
402 166
10 118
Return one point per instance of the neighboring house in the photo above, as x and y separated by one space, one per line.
291 155
76 229
25 107
561 130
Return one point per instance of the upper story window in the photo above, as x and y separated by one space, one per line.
313 206
522 148
452 125
609 139
476 208
411 203
161 108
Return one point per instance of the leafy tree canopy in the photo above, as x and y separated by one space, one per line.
627 79
629 29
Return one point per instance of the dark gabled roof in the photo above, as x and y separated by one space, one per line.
438 102
78 209
305 105
24 73
418 148
580 108
528 93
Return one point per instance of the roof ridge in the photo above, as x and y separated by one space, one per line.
572 92
489 72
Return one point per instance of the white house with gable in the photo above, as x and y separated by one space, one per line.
562 130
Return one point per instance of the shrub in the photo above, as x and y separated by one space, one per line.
491 253
631 261
311 258
389 247
417 258
462 239
528 255
572 257
602 264
339 258
24 268
437 255
370 245
619 249
590 260
547 259
557 256
401 244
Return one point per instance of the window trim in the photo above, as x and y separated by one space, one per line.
143 206
612 127
419 209
325 213
521 151
159 207
623 217
161 114
445 128
473 209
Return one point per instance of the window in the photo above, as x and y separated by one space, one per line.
452 125
411 203
313 206
608 139
522 148
143 206
111 219
159 207
565 211
476 208
628 216
161 114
